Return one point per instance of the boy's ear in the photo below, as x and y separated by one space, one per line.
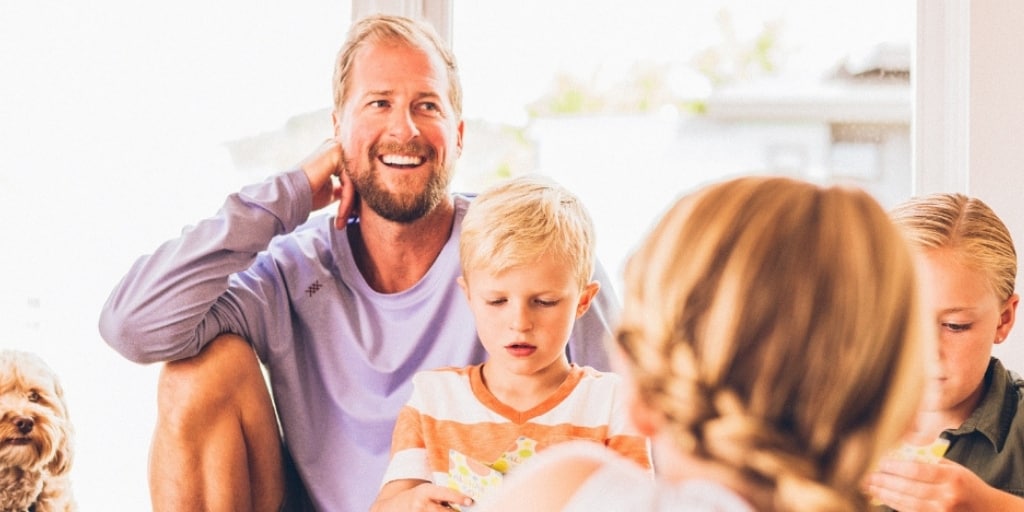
462 284
587 297
1007 316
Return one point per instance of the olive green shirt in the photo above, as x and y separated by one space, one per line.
991 442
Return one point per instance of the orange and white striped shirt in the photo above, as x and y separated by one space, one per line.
452 409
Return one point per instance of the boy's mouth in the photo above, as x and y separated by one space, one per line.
520 349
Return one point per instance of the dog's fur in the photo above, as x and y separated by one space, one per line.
35 437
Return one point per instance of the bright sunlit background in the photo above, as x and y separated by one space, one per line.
121 122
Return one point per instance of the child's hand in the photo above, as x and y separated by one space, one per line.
423 496
911 485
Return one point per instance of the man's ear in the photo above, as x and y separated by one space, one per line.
335 123
1007 316
587 297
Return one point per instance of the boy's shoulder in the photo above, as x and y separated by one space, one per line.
444 372
591 377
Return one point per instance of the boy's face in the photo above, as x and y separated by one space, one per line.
970 320
524 315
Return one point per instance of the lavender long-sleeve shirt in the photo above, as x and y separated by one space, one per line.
340 355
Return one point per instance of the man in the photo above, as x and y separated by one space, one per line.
341 312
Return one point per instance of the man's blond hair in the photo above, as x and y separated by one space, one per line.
382 28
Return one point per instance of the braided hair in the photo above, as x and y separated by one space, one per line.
776 327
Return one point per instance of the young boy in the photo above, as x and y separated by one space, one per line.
527 256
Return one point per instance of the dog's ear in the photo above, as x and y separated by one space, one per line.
61 462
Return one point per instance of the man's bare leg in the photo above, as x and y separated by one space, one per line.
216 445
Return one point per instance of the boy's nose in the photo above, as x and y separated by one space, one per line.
521 321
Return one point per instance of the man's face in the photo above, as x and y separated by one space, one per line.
398 130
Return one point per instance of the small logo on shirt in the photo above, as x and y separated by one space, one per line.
313 288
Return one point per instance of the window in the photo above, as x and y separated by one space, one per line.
632 107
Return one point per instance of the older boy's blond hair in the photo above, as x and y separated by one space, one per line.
967 226
519 221
775 327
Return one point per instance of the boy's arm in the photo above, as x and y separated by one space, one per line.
404 495
634 448
946 485
407 480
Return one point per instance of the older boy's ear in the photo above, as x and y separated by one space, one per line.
587 297
1007 317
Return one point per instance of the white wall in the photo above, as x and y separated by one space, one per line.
969 115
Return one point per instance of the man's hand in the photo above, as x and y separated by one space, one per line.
417 495
910 486
321 168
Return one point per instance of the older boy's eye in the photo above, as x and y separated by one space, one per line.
495 302
956 327
547 303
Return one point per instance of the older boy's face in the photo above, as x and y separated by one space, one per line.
524 315
970 320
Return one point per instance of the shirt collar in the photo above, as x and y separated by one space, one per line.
994 413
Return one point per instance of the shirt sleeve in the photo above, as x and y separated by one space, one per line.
408 446
623 436
174 301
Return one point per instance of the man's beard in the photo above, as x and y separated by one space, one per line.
409 205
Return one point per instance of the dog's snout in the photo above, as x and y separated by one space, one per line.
24 424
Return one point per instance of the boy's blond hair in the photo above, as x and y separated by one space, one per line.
521 220
970 228
399 30
776 328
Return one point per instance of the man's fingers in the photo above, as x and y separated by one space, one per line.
348 201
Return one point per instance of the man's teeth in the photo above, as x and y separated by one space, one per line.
401 160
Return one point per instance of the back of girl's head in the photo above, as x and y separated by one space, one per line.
776 326
523 219
969 228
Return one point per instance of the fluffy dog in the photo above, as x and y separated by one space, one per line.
35 437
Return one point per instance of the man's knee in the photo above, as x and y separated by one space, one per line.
218 380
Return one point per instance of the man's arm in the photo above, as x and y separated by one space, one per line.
163 308
173 302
